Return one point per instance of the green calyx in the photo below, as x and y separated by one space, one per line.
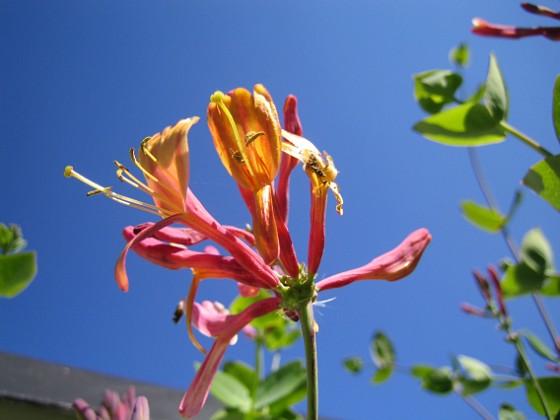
299 290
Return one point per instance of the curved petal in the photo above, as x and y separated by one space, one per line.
196 395
393 265
120 267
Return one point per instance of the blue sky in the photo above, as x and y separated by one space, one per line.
82 82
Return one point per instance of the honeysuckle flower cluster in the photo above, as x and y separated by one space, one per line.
484 28
260 155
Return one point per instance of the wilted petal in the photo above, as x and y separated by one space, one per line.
393 265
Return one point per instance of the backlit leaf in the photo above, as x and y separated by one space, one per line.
16 272
496 95
544 179
483 217
470 124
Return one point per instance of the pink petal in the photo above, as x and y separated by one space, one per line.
393 265
120 267
196 395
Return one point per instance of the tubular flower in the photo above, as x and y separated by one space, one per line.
392 266
481 27
322 173
247 135
224 329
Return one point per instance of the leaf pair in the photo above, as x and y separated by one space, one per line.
470 123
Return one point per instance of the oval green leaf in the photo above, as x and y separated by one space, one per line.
470 124
496 95
544 179
280 384
17 271
551 389
483 217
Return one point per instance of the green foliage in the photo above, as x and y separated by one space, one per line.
17 270
436 88
556 107
538 346
460 55
483 217
436 380
231 391
469 124
474 375
383 356
551 389
544 179
507 412
286 384
496 95
353 364
11 239
535 272
489 219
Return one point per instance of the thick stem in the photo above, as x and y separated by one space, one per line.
305 311
526 139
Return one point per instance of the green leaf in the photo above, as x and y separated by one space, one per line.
17 271
496 95
507 412
460 55
229 390
437 380
551 389
551 286
556 107
382 375
382 351
280 335
470 124
475 376
483 217
280 384
537 253
353 364
520 279
544 179
11 239
435 88
228 414
280 408
538 346
242 372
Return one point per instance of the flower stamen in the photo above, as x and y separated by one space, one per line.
109 193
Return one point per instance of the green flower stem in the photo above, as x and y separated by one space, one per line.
305 311
521 351
526 139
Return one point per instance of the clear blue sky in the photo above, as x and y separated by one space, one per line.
82 82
